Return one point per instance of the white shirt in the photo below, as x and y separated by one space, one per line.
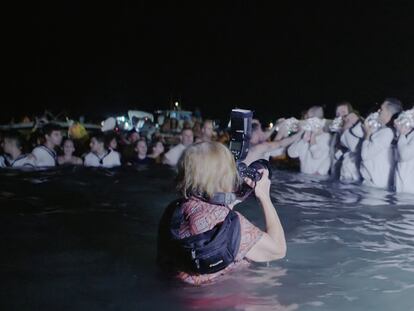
404 175
24 160
44 156
352 140
314 159
174 154
377 159
110 159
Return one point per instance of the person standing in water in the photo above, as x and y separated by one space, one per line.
141 157
404 175
100 156
377 153
68 158
173 155
45 155
14 156
204 170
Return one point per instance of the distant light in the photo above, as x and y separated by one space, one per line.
270 124
176 104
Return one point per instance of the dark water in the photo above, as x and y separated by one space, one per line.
79 239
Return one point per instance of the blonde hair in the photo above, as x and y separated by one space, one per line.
206 168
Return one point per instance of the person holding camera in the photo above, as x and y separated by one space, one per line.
200 236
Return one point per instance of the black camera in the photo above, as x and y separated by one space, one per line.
240 133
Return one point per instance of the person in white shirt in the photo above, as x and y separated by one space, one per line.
45 155
313 147
351 139
337 151
404 174
100 156
377 153
173 155
14 157
313 152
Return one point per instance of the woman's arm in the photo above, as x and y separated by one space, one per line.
272 244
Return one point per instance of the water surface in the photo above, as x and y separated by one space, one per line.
84 239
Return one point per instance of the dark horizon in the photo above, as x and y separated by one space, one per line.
100 60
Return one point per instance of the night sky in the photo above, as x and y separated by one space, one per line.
277 60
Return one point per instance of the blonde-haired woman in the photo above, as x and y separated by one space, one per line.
206 169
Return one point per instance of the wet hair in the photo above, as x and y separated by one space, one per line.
49 128
15 136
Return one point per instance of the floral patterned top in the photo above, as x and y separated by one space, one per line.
201 216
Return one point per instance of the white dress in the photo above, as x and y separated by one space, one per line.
378 159
44 157
404 175
351 139
110 159
314 159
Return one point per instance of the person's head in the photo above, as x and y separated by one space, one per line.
133 137
141 148
389 110
68 147
52 134
206 168
187 137
314 112
207 130
97 143
157 148
12 143
351 119
111 141
343 109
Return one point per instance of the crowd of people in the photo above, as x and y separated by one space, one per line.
377 150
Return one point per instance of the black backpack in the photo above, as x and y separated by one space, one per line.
207 252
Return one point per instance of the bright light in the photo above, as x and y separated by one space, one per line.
102 123
176 104
270 124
